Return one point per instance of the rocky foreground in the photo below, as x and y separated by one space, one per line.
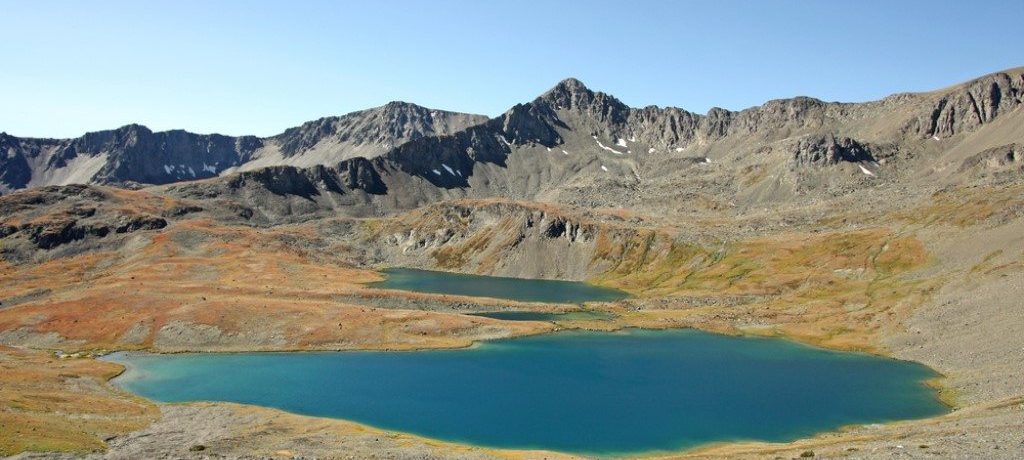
894 227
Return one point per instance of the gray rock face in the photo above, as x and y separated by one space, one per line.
972 105
827 150
1006 161
531 123
137 154
288 180
306 182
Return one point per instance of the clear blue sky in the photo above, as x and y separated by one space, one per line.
258 67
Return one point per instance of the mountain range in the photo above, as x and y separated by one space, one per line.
570 144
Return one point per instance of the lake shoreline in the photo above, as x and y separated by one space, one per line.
787 343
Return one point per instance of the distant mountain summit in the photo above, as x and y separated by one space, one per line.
571 94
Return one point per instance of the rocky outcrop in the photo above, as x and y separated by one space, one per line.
358 173
51 218
1003 162
78 223
12 205
67 228
288 180
526 123
971 105
491 236
456 223
827 151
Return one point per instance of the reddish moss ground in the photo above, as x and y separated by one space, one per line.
53 404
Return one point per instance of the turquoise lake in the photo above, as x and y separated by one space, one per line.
523 290
585 392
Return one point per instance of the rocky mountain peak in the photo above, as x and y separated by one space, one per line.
98 141
569 86
404 113
400 105
396 109
572 95
134 130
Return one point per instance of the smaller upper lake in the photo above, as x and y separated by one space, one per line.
519 289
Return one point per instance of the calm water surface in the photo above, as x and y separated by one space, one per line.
524 290
586 392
